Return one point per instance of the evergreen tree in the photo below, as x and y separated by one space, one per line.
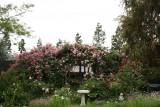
141 31
116 40
21 47
39 43
3 51
78 39
64 42
59 43
99 36
10 24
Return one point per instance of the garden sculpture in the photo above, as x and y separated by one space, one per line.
121 98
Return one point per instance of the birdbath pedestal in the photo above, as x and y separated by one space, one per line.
83 92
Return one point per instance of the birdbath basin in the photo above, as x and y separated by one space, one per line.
83 92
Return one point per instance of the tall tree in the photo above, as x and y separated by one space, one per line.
39 43
65 42
116 40
141 31
99 36
59 43
78 39
3 51
21 47
10 25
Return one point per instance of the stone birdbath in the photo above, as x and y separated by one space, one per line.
83 92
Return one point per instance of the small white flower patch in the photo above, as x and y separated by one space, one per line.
62 97
47 90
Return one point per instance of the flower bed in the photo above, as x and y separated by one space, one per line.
132 100
45 68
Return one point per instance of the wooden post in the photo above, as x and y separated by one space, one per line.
80 67
88 69
68 76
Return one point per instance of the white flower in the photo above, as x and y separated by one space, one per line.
55 95
42 88
91 72
62 97
47 90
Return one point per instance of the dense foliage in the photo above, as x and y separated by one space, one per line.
45 69
117 40
12 91
3 51
50 65
128 78
10 24
141 32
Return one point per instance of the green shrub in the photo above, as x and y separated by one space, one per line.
112 63
97 89
6 81
71 94
59 101
12 92
109 87
75 97
130 76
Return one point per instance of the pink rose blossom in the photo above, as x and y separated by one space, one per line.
30 77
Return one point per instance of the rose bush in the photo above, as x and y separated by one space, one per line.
50 65
130 75
128 78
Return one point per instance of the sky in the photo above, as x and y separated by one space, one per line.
52 20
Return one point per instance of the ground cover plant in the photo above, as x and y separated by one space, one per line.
134 99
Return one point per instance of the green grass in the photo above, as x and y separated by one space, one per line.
145 101
139 102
